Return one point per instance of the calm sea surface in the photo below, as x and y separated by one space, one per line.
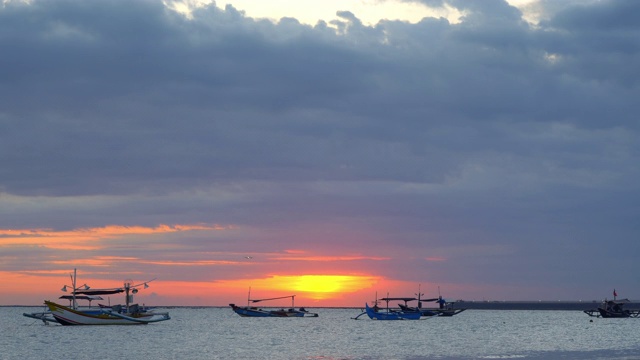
218 333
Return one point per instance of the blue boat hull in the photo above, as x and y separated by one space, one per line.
247 312
374 315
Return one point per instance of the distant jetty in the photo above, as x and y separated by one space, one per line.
533 305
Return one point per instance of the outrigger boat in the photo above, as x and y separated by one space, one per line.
129 314
613 309
445 308
251 311
375 313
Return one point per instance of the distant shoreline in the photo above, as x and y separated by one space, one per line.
471 305
535 305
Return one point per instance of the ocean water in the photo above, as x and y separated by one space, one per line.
218 333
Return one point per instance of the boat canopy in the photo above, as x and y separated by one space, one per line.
81 297
618 301
406 299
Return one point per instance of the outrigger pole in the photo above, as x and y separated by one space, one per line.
276 298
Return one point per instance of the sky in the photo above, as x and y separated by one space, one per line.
480 150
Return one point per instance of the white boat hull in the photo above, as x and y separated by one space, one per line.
68 316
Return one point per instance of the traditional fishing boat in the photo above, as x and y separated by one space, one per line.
445 307
132 315
613 309
375 313
252 311
128 314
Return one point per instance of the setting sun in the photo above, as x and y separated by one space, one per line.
324 283
316 287
323 286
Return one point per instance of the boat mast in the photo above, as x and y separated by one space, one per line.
419 294
387 301
127 286
75 288
73 293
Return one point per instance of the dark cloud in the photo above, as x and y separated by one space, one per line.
520 140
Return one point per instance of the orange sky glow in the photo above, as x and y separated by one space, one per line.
310 290
313 277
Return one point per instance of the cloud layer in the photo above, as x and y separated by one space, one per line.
493 155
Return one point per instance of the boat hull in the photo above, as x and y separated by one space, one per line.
249 312
68 316
431 312
255 312
374 315
610 314
449 312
